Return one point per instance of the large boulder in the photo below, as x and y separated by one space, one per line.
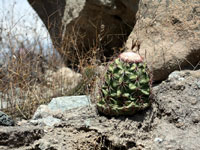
168 34
77 25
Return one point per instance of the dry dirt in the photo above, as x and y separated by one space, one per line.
171 123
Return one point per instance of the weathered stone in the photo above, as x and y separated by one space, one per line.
64 77
178 97
51 114
180 109
172 122
19 136
81 24
61 82
5 120
44 111
47 121
68 102
168 34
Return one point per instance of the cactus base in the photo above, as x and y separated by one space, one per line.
126 86
111 110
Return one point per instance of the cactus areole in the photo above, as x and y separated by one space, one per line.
126 86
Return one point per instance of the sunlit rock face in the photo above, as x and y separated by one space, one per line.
169 35
77 25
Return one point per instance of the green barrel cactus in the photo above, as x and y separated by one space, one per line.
126 86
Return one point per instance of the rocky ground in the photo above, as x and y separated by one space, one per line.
171 123
166 33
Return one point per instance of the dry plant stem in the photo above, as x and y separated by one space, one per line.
22 78
20 111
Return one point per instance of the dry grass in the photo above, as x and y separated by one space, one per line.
22 81
25 63
28 70
30 79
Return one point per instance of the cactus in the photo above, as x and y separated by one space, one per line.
126 86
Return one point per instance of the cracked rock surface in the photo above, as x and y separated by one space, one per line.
172 122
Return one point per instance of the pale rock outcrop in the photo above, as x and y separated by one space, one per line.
168 34
77 25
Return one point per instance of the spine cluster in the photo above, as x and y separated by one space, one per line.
127 86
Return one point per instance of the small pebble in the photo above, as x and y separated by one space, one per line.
158 140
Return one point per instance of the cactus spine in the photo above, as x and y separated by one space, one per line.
127 86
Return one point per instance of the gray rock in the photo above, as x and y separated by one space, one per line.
45 145
5 120
43 111
51 114
47 121
19 136
176 75
68 102
179 102
179 99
